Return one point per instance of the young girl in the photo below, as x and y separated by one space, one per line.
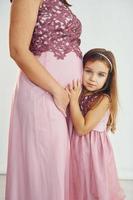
93 174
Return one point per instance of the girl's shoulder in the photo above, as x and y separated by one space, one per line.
89 102
106 96
102 99
89 98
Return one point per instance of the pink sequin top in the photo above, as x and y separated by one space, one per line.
57 30
86 101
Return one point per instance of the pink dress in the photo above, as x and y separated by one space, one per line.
39 142
93 174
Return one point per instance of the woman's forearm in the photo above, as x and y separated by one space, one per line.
34 70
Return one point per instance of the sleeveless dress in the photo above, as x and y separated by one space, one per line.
93 174
39 141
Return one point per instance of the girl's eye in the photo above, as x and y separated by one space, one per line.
89 71
102 75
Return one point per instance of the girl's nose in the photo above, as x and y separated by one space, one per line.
93 77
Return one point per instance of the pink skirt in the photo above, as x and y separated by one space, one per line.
93 173
39 142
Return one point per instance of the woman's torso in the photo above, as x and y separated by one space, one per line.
55 43
57 30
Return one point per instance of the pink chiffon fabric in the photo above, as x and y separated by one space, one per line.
39 140
93 174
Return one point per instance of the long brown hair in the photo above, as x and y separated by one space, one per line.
63 1
110 86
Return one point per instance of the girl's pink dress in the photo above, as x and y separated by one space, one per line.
39 143
93 174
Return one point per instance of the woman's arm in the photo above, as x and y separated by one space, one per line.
22 23
83 125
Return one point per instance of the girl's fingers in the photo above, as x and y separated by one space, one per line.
68 91
75 84
71 86
68 87
79 83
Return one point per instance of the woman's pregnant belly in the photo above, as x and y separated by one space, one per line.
63 70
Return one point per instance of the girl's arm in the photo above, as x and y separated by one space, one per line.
83 125
22 22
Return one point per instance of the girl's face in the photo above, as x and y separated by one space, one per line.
95 75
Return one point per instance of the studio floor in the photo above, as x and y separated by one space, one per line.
127 185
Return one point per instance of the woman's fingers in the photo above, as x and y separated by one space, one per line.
63 110
61 100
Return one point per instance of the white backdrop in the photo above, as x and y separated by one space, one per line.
106 24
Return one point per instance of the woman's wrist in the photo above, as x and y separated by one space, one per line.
55 90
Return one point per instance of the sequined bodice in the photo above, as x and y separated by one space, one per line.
57 30
87 101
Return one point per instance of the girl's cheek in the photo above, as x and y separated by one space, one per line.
87 76
84 77
104 80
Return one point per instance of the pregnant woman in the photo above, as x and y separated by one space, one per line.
44 43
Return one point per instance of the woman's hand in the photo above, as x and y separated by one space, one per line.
74 90
61 99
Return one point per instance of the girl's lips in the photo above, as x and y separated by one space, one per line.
91 84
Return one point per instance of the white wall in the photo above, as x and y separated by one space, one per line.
8 72
106 24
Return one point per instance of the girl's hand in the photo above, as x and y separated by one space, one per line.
61 100
74 90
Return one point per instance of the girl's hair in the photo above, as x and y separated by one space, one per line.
63 1
110 86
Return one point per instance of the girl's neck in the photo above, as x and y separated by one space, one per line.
85 92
